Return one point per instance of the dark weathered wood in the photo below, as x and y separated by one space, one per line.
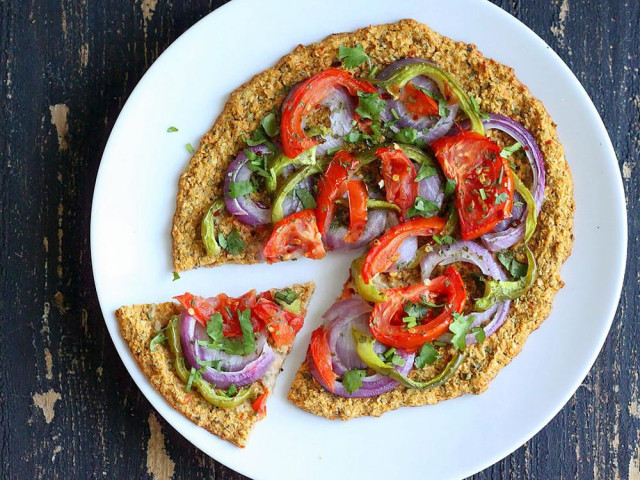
68 408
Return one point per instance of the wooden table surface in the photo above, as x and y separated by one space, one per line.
68 407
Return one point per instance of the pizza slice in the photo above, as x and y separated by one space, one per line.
215 360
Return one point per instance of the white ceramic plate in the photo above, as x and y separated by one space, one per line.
134 204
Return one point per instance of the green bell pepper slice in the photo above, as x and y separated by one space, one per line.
404 74
208 228
414 153
373 204
499 291
367 291
206 390
364 347
281 161
277 210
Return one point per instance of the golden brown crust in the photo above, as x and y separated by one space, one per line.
140 323
497 90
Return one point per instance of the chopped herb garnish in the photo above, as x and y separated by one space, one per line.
172 129
423 208
427 356
406 135
285 295
476 108
333 150
446 239
352 57
176 276
194 375
232 390
443 109
503 197
508 151
352 380
159 337
215 364
449 187
270 125
355 136
190 148
306 198
479 333
483 194
415 309
410 322
233 346
426 171
240 189
232 243
514 267
460 327
370 105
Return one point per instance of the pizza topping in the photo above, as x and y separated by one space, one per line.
484 185
208 228
295 236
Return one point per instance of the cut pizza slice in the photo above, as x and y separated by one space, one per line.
215 360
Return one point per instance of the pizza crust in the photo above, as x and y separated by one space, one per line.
140 323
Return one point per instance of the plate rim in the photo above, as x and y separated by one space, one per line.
621 263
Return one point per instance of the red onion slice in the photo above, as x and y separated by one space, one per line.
429 127
244 208
340 319
470 252
240 370
376 221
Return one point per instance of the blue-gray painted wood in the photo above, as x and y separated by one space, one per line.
68 408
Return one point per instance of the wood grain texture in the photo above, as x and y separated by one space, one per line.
68 408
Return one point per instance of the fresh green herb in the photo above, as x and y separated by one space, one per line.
476 108
194 376
232 243
233 346
258 163
395 114
190 149
172 129
446 239
410 322
352 380
426 171
460 327
208 228
176 276
159 337
215 364
449 187
240 189
518 204
333 150
214 327
232 390
479 333
306 198
513 266
270 125
423 208
503 197
508 151
285 295
370 105
355 136
406 135
352 57
415 309
443 109
483 194
397 360
427 356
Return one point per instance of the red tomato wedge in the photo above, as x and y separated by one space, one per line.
358 196
259 405
399 174
484 187
418 102
321 355
294 236
281 324
386 323
202 309
384 252
306 98
333 185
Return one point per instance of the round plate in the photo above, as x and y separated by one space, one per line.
134 203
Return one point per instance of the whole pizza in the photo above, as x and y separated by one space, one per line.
433 164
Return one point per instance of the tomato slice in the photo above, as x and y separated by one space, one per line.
484 187
358 196
259 405
399 174
281 324
386 323
202 309
384 252
306 98
418 102
294 236
333 185
321 355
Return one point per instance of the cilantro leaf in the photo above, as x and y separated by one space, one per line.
233 243
233 346
423 208
352 380
172 129
190 148
508 151
503 197
406 135
443 109
194 376
427 356
426 171
449 187
479 333
417 310
476 108
285 295
159 337
446 239
352 57
355 136
410 321
176 276
215 364
270 125
460 327
370 105
514 267
240 189
214 327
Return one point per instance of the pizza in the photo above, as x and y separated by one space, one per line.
216 359
440 171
